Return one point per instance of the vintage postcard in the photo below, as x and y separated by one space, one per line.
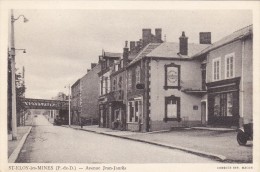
129 86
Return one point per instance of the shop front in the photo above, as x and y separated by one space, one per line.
223 99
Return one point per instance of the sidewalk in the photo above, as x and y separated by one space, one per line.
219 145
14 146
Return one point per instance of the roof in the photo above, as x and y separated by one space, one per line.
110 54
76 83
146 50
239 34
172 49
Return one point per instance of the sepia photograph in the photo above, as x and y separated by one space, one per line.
116 87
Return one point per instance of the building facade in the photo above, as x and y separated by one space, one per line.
84 101
76 102
89 96
158 80
106 60
229 79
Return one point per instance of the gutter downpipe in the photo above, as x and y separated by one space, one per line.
242 81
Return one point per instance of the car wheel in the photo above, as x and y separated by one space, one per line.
241 138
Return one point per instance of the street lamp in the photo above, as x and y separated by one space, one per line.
12 54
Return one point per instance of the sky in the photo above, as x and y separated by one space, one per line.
61 44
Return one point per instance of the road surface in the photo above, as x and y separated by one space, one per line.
55 144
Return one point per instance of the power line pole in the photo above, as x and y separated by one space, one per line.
12 53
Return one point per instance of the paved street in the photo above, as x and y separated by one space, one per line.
54 144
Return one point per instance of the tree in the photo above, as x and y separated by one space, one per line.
20 90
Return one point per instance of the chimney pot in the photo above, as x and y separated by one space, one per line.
205 37
147 36
183 44
93 65
158 34
132 45
125 54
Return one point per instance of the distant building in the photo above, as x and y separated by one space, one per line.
89 95
84 101
106 60
76 102
64 114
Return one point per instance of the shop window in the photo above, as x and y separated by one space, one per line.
223 104
216 69
172 108
135 111
131 111
172 76
229 66
117 115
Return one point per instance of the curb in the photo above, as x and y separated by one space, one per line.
196 152
17 150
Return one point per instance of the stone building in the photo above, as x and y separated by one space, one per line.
157 78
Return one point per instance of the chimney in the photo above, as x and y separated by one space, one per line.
132 45
205 37
125 54
147 36
183 44
158 34
93 65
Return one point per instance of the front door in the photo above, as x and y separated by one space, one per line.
203 113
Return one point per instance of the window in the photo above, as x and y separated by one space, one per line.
137 73
122 64
114 84
172 76
131 111
105 85
129 80
120 83
229 66
223 104
116 67
203 75
172 109
135 111
216 69
117 115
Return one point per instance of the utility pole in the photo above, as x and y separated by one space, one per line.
12 53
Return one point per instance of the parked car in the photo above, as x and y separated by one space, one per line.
58 121
245 133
